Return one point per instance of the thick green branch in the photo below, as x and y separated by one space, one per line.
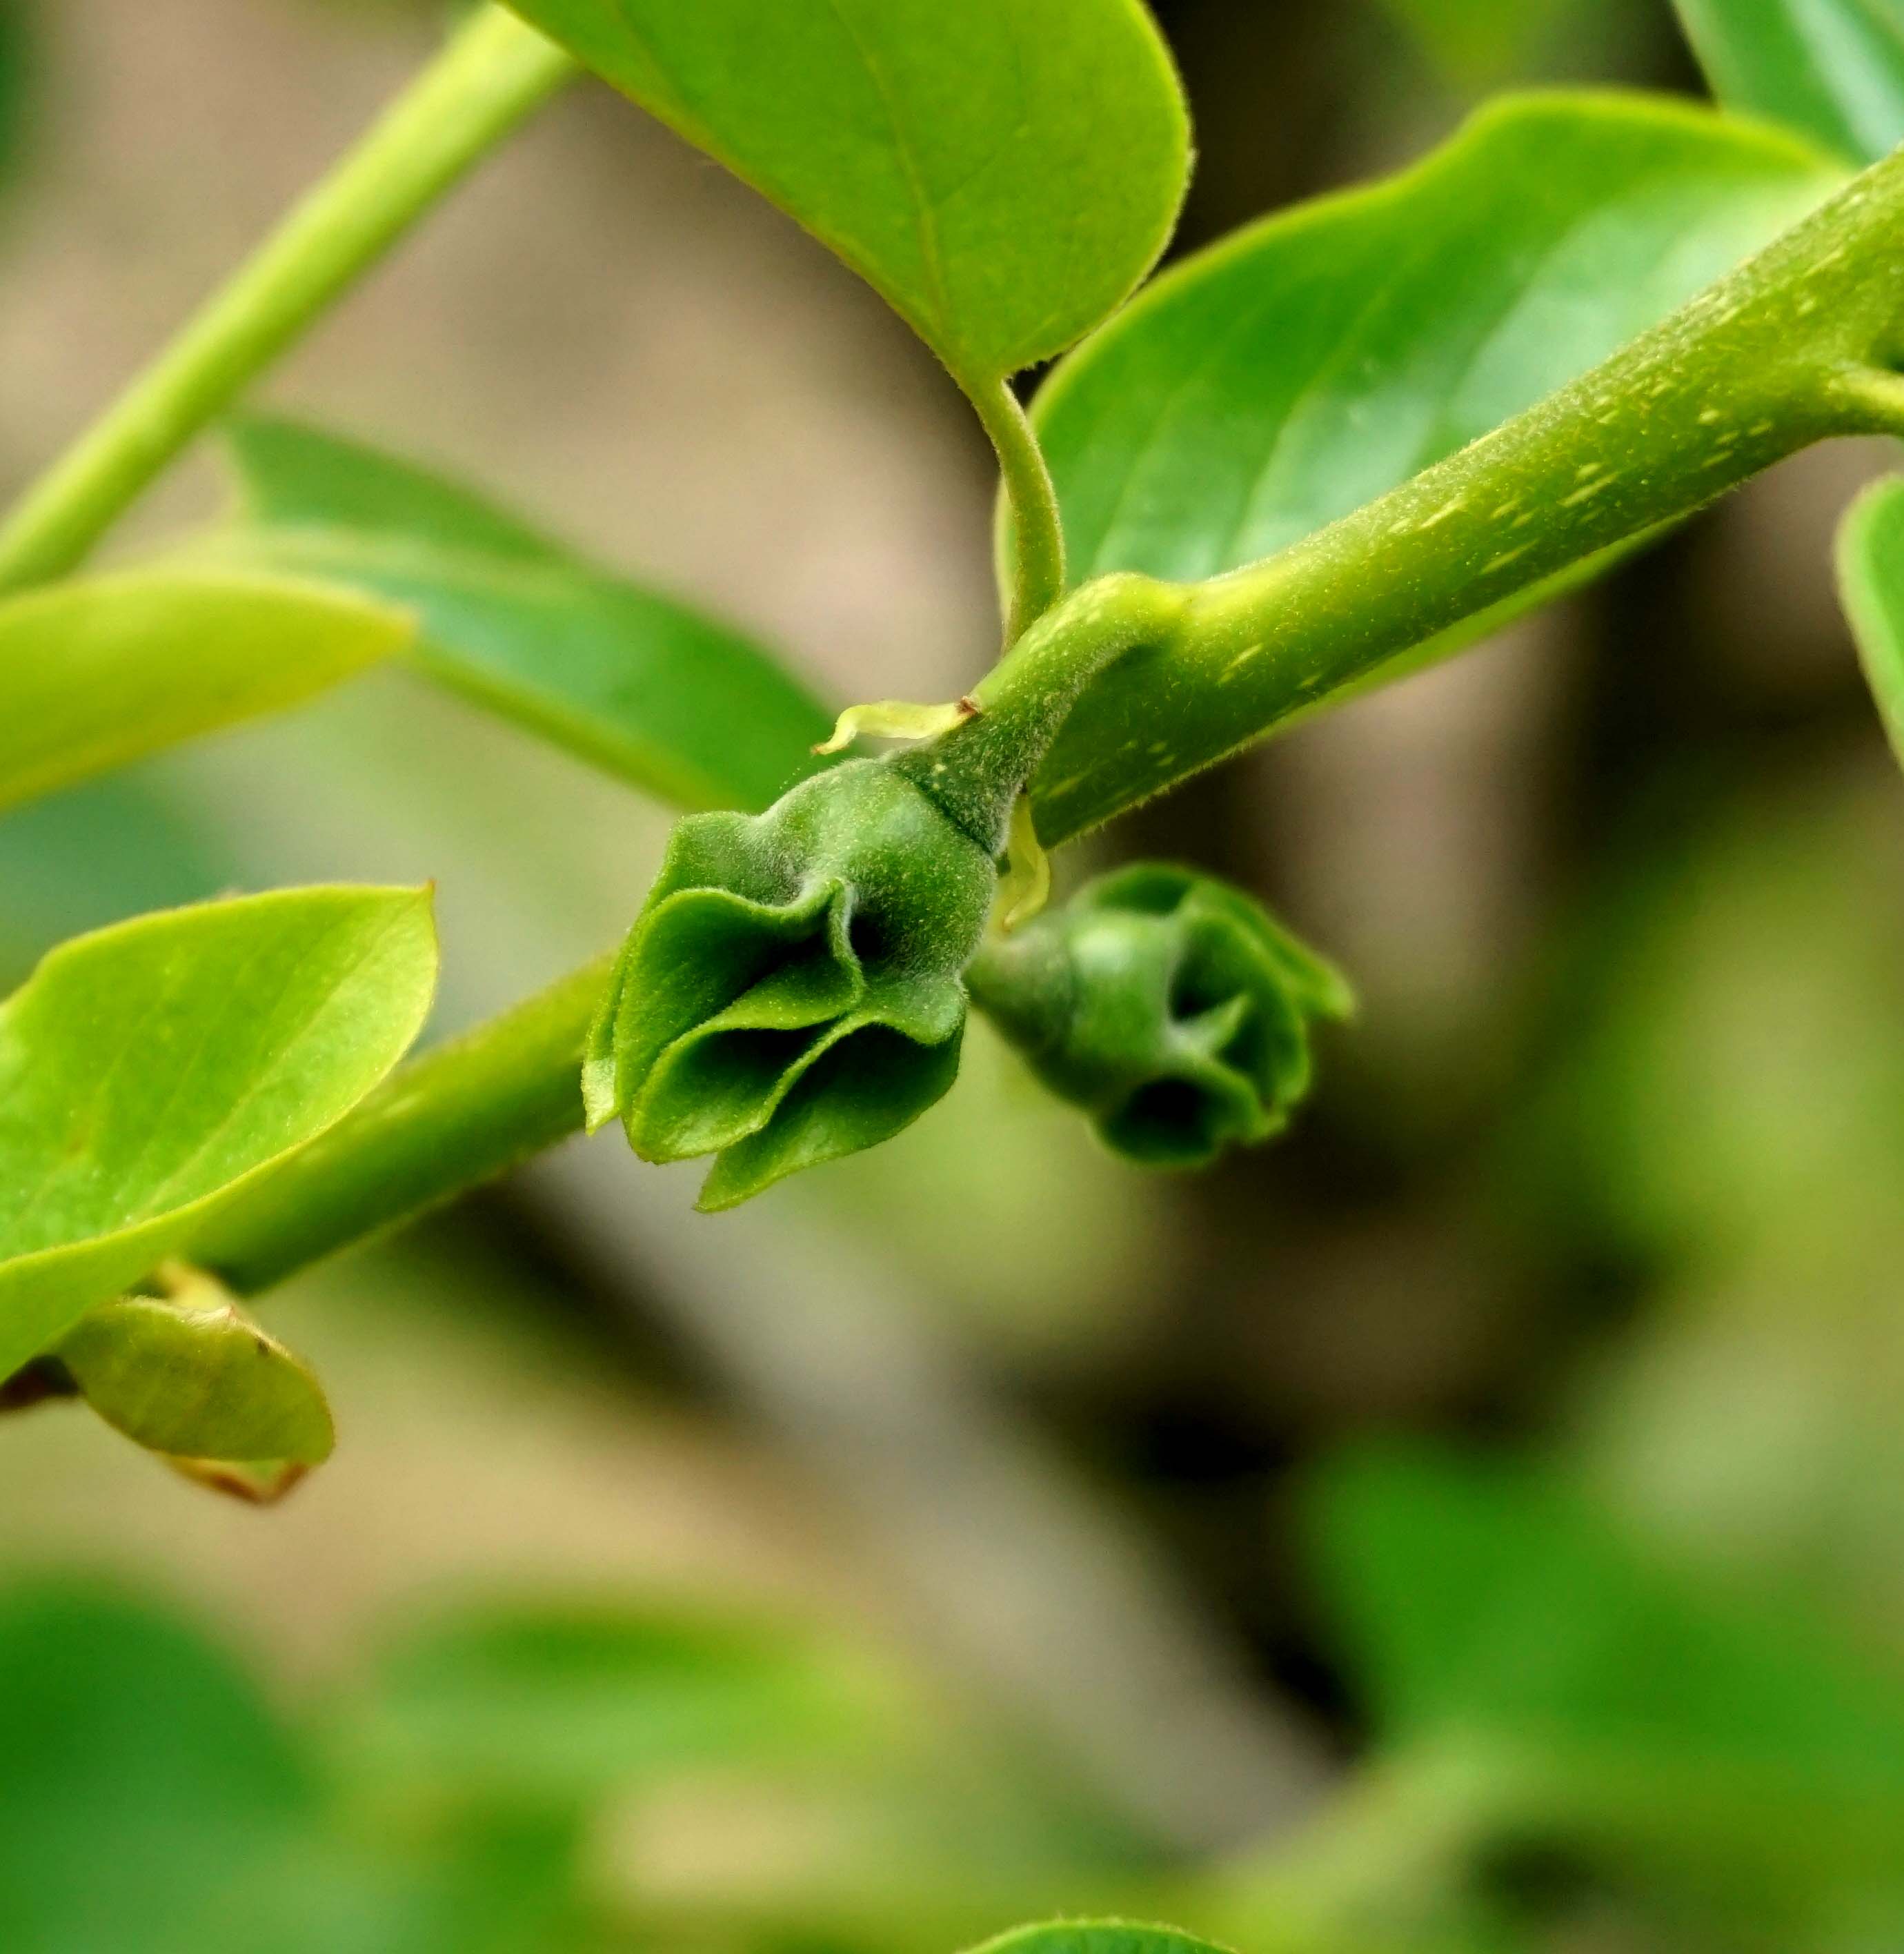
1798 345
492 75
447 1121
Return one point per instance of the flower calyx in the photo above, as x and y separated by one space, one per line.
791 992
1166 1004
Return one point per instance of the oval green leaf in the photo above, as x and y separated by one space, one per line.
149 1070
677 704
1004 172
95 674
190 1375
1870 579
1317 361
1834 69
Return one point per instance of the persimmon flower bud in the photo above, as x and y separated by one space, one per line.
1166 1004
792 989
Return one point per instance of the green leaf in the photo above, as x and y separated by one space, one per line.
1870 579
130 1744
149 1070
1316 361
1003 172
1097 1936
1491 1609
190 1375
1834 69
93 674
678 705
152 1800
562 1706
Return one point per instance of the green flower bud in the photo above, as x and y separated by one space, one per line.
1168 1005
791 992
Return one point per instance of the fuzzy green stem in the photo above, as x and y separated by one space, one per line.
1032 497
1799 344
447 1122
976 771
493 72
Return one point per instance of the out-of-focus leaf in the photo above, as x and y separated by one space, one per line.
1477 43
78 861
95 673
519 1706
151 1802
1834 69
1627 1699
1871 578
141 1772
675 702
1730 1089
17 53
1003 172
1285 378
148 1070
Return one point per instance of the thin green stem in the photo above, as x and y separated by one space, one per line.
976 772
1032 497
492 74
445 1122
1798 345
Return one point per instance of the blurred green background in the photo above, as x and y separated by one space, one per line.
1477 1524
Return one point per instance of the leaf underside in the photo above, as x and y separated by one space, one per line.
672 701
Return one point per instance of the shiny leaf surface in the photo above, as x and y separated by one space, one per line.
1003 172
148 1070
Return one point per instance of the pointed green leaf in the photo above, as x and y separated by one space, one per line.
1003 172
673 701
1834 69
95 674
1871 577
1312 363
147 1070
